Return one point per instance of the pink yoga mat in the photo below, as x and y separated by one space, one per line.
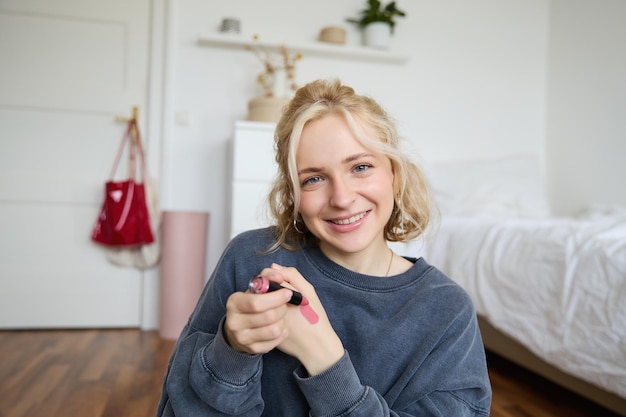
183 264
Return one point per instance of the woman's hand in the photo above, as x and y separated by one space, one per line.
314 343
256 323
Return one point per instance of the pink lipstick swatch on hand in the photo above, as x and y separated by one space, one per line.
307 311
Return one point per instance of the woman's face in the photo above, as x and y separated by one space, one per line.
347 192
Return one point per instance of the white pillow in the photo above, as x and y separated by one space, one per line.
509 186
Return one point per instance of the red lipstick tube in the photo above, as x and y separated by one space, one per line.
262 285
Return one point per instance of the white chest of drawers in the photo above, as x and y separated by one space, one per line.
254 169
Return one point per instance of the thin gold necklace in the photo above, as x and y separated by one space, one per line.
390 262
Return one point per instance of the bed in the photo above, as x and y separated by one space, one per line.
550 292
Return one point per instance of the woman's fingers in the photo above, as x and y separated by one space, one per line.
288 277
252 310
259 340
255 323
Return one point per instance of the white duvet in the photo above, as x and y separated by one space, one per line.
558 286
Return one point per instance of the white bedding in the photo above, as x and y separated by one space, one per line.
558 286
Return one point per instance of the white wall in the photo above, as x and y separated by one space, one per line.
586 130
474 85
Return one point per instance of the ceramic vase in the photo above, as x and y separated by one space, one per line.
377 35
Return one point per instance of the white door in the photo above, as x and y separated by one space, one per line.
67 68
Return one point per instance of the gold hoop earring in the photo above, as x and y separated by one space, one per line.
295 226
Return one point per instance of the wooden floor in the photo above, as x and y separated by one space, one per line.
81 373
118 373
520 393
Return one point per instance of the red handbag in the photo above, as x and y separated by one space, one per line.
124 219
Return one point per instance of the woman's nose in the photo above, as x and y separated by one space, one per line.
342 193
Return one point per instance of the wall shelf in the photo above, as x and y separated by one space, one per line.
310 48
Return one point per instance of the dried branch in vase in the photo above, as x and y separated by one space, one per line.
279 69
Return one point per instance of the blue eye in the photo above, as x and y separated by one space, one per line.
362 167
312 180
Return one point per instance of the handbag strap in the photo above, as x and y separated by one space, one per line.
139 149
132 133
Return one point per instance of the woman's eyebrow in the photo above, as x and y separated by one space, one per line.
309 170
355 157
346 160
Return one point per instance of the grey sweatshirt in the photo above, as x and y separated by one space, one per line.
412 346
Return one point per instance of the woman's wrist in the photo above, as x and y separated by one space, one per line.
323 356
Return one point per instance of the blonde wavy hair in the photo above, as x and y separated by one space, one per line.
374 129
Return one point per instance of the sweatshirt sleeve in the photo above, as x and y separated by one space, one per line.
338 392
208 377
333 391
205 376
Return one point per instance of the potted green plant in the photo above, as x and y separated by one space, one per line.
378 22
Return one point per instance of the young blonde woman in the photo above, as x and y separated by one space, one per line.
353 329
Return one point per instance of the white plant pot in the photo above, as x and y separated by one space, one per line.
377 35
279 84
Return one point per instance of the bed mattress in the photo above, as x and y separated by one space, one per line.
558 285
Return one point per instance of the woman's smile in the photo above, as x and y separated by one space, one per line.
349 220
348 224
